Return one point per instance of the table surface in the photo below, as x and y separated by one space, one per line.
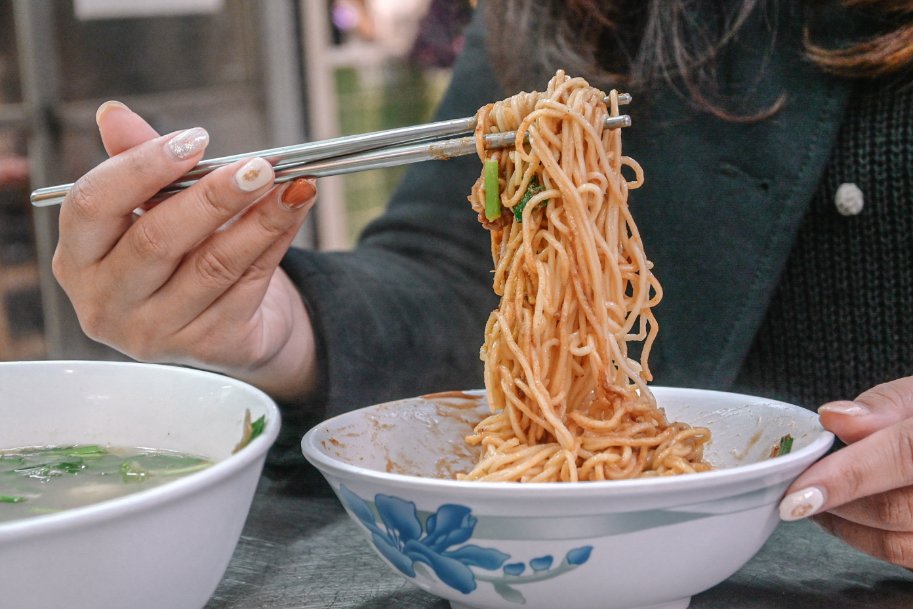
299 550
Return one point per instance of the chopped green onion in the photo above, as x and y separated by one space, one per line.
12 499
144 466
533 189
257 427
251 430
786 445
492 186
131 471
86 450
51 470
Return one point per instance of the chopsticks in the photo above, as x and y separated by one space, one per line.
350 154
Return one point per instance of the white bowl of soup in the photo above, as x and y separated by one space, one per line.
621 544
145 475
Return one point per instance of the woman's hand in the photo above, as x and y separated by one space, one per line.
193 280
864 492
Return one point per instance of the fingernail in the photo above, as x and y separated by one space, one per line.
297 194
188 143
851 409
254 174
109 105
800 504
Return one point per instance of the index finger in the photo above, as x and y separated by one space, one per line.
99 207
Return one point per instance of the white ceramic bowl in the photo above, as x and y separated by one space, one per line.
165 547
613 545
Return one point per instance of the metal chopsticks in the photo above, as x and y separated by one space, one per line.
349 154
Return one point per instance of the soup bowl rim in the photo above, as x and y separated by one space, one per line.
153 497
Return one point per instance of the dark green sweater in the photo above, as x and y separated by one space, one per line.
720 213
841 319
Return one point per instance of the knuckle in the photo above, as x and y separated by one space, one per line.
257 271
903 457
141 350
148 240
93 322
59 266
142 167
142 341
893 509
893 395
897 548
84 199
209 351
852 480
212 199
271 225
214 268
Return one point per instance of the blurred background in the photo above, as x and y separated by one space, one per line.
255 74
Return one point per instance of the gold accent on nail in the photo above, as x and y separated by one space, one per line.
253 175
801 511
801 503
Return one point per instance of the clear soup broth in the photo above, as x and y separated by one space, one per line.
47 479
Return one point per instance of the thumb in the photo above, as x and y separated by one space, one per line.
878 429
879 407
121 128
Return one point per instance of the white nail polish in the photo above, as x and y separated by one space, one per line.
188 143
254 174
801 504
851 409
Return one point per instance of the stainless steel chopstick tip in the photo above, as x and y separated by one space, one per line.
623 99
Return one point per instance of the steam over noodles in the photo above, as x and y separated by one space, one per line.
568 401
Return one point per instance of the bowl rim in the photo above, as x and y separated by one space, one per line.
110 509
798 459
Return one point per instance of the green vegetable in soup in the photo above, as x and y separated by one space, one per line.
46 479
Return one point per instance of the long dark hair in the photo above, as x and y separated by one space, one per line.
635 43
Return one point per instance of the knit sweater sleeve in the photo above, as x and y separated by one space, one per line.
404 312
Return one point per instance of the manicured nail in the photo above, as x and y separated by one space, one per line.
188 143
851 409
109 105
254 174
800 504
297 194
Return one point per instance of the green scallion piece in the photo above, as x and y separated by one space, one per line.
492 187
534 189
257 427
786 445
12 499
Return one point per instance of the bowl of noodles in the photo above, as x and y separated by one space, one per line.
569 481
399 469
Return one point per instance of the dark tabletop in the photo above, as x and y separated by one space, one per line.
299 550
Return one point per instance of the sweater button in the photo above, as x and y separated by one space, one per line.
849 199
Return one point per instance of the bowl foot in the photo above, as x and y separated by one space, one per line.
681 603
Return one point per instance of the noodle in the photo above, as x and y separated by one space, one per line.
568 402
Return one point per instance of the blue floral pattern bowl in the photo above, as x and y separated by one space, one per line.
646 543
